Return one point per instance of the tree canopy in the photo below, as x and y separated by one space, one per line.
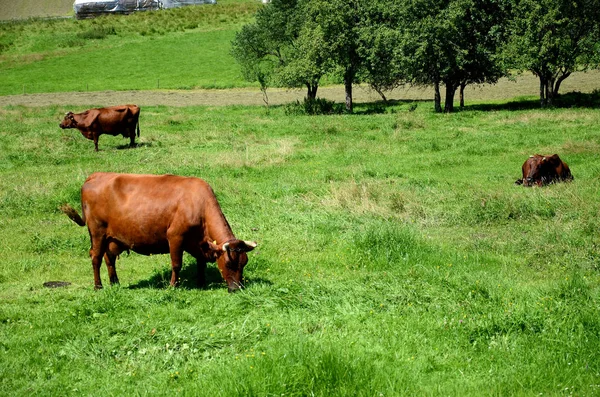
552 39
438 43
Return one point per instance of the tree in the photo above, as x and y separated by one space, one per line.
378 46
306 62
339 22
250 50
453 43
552 39
275 49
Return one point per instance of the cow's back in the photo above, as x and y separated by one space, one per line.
119 119
139 210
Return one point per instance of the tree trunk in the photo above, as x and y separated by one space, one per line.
438 98
381 94
449 102
559 82
462 95
542 91
348 86
549 92
311 93
556 85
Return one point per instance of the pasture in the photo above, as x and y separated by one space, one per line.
395 256
180 48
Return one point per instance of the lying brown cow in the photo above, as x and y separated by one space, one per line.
151 214
112 120
542 170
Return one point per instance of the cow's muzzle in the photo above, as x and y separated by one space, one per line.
234 286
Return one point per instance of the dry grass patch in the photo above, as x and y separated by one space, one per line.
265 153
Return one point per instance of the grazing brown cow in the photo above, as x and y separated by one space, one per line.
112 120
542 170
158 214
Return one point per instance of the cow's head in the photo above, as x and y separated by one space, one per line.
531 170
541 170
69 121
231 258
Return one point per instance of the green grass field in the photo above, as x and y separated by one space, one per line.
396 257
170 49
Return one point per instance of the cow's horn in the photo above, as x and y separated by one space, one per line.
531 156
225 246
250 244
544 159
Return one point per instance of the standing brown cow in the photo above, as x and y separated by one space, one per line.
152 214
542 170
113 120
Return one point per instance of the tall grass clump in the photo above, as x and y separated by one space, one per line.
386 245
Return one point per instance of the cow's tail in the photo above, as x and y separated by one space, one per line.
137 121
73 214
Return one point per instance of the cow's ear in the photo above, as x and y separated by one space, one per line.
250 245
554 160
211 250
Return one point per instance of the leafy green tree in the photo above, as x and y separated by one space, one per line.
378 46
276 48
554 38
452 43
250 50
340 22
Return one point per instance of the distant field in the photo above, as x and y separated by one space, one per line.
182 48
20 9
523 87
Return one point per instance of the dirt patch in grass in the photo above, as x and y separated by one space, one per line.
35 8
525 85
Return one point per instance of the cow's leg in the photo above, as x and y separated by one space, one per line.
110 257
96 252
132 138
96 136
201 272
200 257
176 251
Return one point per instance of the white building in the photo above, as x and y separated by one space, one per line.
89 8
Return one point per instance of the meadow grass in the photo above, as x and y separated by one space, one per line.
177 49
395 257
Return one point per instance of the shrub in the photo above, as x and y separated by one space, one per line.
313 107
97 33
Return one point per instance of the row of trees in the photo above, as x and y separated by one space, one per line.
449 43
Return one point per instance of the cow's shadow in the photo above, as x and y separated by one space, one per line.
188 279
126 146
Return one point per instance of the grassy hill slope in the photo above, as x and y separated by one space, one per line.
178 48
